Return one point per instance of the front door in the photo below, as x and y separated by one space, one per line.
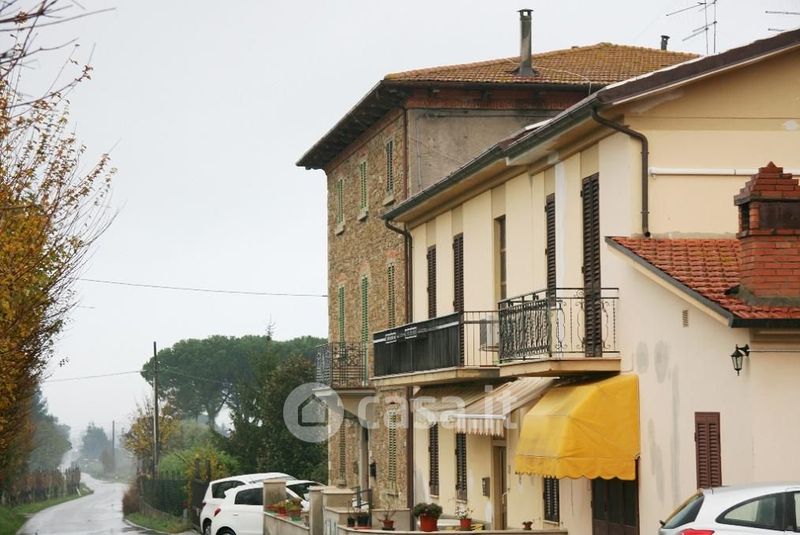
615 507
500 490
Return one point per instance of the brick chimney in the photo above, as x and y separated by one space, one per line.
769 233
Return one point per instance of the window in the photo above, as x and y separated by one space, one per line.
364 310
686 512
593 336
390 167
218 489
461 466
339 201
342 452
500 255
433 458
362 173
432 281
393 417
551 499
765 512
550 251
707 449
250 497
340 302
390 301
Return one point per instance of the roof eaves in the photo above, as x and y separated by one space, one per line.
666 277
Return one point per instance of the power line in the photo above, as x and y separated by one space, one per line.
88 377
205 290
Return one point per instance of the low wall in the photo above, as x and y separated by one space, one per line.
344 530
283 525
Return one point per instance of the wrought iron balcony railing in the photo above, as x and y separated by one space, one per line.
456 340
543 325
342 365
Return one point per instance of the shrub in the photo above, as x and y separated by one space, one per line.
428 509
130 500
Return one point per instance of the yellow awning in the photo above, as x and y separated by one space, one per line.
583 430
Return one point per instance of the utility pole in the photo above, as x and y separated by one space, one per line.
113 446
155 411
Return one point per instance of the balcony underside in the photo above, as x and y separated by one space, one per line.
459 374
562 367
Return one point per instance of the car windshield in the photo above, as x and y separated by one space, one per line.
218 489
301 489
686 512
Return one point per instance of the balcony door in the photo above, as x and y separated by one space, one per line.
615 507
593 336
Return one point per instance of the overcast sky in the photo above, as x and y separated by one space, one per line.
208 105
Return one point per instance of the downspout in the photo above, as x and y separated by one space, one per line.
409 390
645 165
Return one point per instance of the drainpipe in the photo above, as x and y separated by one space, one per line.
410 457
645 159
407 235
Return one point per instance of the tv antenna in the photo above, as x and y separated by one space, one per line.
705 6
774 12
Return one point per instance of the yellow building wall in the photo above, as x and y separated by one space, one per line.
520 230
419 268
569 251
444 264
478 228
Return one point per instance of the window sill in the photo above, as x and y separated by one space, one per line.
339 228
389 199
362 215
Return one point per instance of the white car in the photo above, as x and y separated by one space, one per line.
298 489
241 512
759 509
215 493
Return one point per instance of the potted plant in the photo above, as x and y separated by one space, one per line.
281 505
351 517
294 509
388 513
428 514
526 525
362 519
464 515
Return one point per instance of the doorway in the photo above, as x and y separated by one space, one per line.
500 490
615 507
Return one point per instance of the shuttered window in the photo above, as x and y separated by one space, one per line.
433 458
364 309
393 417
550 219
362 175
391 299
458 288
551 499
342 452
591 266
390 166
461 466
707 447
432 281
339 201
340 302
500 256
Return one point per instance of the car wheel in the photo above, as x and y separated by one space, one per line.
207 528
226 531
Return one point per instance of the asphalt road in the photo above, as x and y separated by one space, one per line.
99 513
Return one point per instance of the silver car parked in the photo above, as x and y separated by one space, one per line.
763 509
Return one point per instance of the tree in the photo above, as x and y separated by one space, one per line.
50 214
139 438
94 442
50 439
280 449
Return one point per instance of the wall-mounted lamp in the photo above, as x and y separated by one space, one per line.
738 356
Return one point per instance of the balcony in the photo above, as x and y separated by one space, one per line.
563 325
464 345
342 365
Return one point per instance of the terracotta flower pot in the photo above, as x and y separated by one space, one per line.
388 524
428 523
282 511
466 523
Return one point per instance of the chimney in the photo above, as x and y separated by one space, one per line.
769 234
525 67
664 41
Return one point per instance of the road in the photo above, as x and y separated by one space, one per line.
99 513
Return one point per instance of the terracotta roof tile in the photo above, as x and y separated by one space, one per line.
710 267
603 63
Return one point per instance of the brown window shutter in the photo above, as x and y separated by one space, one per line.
433 458
461 466
458 288
432 281
550 217
707 448
551 499
593 336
